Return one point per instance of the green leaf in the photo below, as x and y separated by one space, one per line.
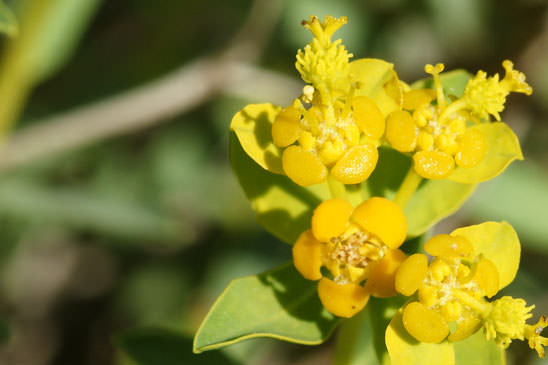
253 127
433 200
405 350
382 310
8 22
453 82
502 147
155 346
476 350
518 196
279 304
499 243
282 207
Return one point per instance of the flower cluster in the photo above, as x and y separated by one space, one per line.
355 245
445 133
332 128
453 289
332 132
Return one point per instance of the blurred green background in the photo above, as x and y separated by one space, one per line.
118 208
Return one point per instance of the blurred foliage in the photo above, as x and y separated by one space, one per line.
149 227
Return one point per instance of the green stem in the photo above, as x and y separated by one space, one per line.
408 187
337 188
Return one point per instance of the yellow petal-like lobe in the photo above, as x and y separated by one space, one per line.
499 243
330 219
368 117
487 276
303 167
411 273
342 300
406 350
383 218
415 98
471 148
307 257
424 324
444 245
433 164
380 282
401 131
286 127
466 328
356 164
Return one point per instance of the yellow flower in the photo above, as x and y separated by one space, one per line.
333 127
356 245
446 134
453 287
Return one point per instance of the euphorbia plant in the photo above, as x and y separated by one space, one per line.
354 166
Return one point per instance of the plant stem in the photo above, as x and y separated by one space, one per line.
408 187
337 188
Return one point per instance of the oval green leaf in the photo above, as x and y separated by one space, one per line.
253 127
502 147
476 350
433 200
280 304
377 80
282 207
499 243
405 350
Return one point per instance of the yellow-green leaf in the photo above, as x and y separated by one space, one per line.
502 147
405 350
434 200
280 304
8 22
282 207
499 243
476 350
377 80
253 127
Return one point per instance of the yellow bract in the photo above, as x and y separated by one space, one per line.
355 245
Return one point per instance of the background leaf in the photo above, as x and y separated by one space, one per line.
279 304
8 22
165 347
453 82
